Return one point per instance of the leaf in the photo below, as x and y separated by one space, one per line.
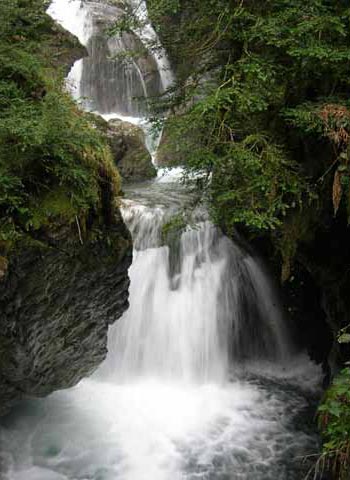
343 168
344 338
337 191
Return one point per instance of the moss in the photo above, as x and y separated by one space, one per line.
61 169
3 267
298 229
334 422
56 204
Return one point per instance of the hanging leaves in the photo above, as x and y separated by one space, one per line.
337 191
344 338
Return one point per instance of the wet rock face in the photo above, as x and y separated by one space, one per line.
169 153
55 307
131 156
127 143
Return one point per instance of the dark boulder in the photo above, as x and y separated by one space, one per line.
58 294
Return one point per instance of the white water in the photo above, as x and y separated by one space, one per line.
149 37
176 398
201 381
171 401
74 17
190 313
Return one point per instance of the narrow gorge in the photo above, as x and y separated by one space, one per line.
206 376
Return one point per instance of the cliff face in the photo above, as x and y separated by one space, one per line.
64 248
56 304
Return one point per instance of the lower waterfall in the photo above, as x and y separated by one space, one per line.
194 305
201 381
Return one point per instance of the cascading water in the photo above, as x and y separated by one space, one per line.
150 39
201 380
110 81
194 305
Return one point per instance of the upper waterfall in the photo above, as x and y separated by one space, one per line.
121 71
149 37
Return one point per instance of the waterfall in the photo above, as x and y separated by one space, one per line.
149 37
195 306
197 384
75 17
110 80
201 381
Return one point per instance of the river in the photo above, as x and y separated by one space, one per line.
202 380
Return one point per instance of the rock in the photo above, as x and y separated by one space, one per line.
3 267
56 303
169 153
131 156
64 279
65 49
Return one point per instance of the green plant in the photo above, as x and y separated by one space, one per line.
334 422
53 162
260 111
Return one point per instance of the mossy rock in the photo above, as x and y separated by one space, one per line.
169 153
127 142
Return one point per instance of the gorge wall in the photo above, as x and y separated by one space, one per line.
64 248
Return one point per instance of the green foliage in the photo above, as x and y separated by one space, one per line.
249 177
260 116
23 18
254 79
52 162
255 184
173 227
344 335
334 421
329 117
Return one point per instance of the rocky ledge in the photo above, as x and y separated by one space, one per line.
57 298
128 146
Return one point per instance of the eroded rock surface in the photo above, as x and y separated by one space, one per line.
132 158
56 302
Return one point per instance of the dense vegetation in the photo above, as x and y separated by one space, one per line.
334 421
52 163
261 108
261 82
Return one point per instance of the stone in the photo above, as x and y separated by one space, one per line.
56 303
169 153
130 154
3 267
